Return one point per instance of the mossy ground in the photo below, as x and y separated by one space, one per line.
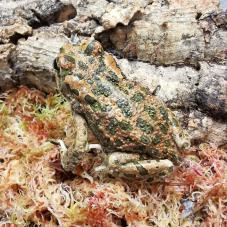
35 190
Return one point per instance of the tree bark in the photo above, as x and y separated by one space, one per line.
180 46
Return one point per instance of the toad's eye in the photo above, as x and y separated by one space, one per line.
66 62
94 48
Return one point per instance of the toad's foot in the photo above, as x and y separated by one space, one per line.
130 166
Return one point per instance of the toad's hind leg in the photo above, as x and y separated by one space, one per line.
132 166
75 156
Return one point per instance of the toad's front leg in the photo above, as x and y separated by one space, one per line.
133 166
75 157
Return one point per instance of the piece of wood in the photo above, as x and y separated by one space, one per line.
179 45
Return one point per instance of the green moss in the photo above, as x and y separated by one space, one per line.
144 126
138 97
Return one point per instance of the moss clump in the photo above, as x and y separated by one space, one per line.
36 191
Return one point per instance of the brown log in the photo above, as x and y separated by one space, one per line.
175 45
